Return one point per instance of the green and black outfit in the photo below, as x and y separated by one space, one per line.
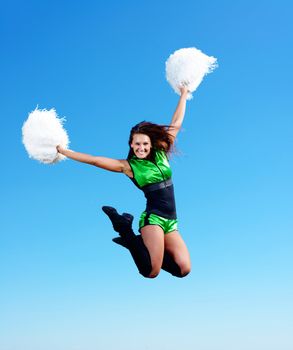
153 177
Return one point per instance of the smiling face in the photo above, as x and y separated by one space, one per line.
141 145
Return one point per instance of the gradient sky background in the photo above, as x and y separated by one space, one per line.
63 284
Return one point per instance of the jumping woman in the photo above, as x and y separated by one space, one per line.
159 245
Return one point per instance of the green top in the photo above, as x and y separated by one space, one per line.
147 172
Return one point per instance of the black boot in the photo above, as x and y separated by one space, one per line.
139 253
120 241
123 225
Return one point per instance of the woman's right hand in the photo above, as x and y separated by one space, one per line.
59 149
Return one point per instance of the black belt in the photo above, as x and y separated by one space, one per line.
157 186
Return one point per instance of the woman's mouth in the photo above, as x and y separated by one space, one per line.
141 153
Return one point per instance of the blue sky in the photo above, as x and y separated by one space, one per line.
64 284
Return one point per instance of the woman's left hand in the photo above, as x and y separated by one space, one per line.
184 90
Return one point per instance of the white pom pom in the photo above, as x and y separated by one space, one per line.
187 67
41 133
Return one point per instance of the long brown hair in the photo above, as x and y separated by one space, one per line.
160 138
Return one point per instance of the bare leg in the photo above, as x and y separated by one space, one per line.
153 238
152 250
176 248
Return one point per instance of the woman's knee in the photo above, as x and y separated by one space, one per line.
185 268
156 268
154 271
150 271
153 275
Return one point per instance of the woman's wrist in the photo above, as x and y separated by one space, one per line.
184 95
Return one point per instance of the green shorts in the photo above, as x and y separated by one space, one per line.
167 225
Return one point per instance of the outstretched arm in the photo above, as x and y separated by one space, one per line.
100 162
179 113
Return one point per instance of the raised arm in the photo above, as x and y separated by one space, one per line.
100 162
179 113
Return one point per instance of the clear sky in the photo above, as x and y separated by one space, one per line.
63 284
